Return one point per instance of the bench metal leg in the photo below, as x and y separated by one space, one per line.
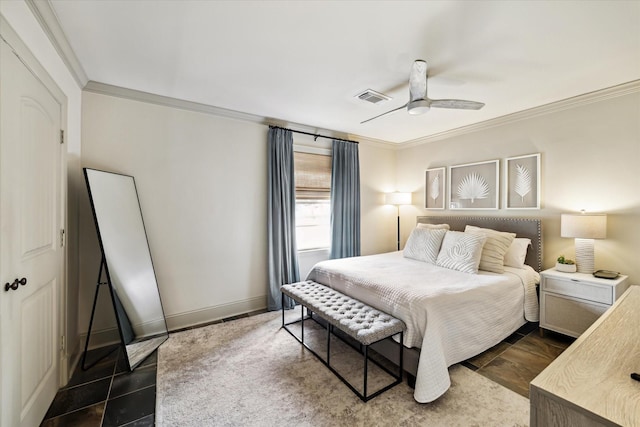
363 349
401 354
328 343
366 371
282 309
302 322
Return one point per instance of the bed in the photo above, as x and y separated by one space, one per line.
450 315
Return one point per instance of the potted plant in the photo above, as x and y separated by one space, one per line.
565 265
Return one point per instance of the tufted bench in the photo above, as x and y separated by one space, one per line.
361 322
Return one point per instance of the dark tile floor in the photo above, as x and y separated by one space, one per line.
108 394
519 358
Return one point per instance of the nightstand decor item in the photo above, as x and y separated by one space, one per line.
584 228
606 274
565 265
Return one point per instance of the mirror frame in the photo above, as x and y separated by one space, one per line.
137 349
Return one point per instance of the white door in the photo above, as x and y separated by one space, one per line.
30 247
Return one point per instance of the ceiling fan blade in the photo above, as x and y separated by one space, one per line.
458 104
418 80
380 115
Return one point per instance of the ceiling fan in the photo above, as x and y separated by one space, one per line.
419 103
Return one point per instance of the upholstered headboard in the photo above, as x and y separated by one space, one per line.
523 227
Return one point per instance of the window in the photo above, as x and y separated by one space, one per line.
313 200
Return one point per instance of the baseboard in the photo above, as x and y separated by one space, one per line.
178 321
218 312
65 371
100 338
69 363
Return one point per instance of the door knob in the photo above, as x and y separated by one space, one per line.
15 284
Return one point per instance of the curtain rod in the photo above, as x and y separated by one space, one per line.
314 135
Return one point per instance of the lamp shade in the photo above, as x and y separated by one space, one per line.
583 226
397 198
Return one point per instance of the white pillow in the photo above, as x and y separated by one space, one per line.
495 247
424 244
434 226
461 251
517 252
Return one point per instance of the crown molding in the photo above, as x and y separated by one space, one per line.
554 107
576 101
379 143
166 101
46 17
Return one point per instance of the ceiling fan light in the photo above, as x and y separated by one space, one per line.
419 106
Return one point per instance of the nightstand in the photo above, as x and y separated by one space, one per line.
571 302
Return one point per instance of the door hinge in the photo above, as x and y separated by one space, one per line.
63 343
62 237
61 136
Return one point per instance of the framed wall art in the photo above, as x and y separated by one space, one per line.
522 177
434 188
474 185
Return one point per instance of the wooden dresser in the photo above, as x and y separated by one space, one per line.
589 383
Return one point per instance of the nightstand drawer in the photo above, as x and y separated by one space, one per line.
582 290
568 316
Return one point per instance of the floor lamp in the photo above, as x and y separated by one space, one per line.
584 228
398 199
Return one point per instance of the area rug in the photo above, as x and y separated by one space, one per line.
250 372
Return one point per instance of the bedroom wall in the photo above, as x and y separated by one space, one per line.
202 184
22 21
590 155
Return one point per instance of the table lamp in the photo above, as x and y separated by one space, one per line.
584 228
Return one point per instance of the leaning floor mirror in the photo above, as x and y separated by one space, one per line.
126 264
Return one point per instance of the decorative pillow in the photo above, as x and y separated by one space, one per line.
424 244
461 251
434 226
495 247
517 252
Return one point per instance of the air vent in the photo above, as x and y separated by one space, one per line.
372 96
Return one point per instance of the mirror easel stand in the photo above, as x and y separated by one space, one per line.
99 283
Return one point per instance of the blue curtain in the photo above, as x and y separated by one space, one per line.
283 254
345 200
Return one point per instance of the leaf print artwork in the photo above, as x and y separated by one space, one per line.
435 187
473 187
523 181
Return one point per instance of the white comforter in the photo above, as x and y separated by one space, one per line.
451 316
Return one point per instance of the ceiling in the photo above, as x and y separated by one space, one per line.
303 62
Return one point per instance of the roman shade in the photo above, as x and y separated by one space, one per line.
312 175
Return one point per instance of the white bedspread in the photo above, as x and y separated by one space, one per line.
450 315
